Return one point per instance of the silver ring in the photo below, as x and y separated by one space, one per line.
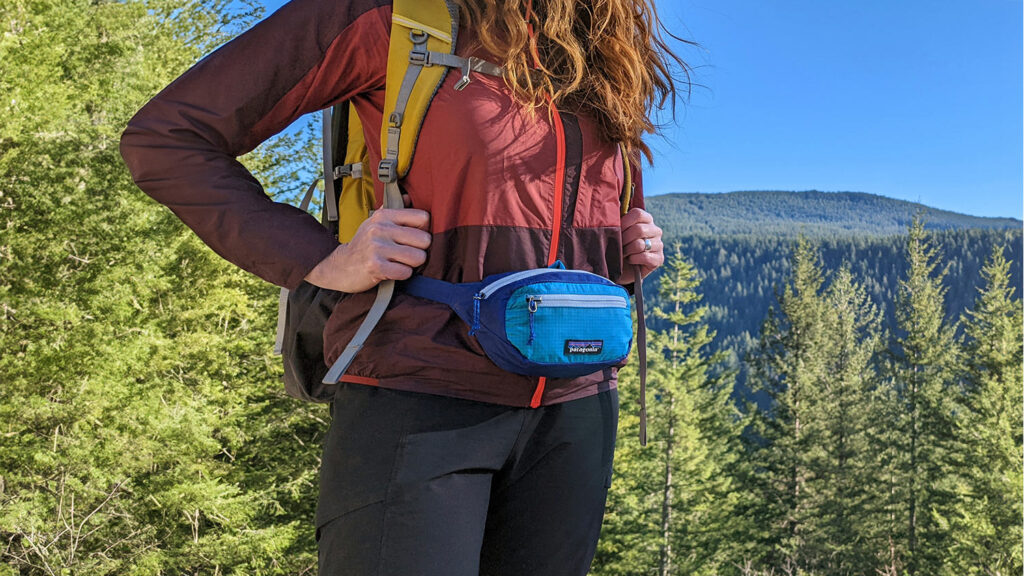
647 244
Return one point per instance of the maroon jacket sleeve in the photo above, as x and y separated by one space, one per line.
181 147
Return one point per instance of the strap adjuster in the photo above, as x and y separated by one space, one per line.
355 170
417 56
467 68
387 170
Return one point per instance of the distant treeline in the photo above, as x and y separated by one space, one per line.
740 275
811 213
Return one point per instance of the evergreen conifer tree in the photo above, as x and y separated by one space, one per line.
679 491
789 371
844 479
144 428
986 525
925 356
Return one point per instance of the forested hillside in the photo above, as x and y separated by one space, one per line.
741 274
742 270
875 450
812 213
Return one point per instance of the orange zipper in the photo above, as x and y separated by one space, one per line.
556 224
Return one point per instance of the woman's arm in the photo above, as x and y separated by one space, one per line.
181 146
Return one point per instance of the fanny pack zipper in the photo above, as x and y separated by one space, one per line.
533 302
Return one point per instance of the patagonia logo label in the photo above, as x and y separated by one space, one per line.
583 346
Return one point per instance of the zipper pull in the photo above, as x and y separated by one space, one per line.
476 313
532 303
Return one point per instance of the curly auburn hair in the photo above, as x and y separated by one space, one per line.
604 58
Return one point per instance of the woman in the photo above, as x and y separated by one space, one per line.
437 462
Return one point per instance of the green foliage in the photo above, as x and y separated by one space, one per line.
985 524
790 370
671 506
923 377
143 426
741 274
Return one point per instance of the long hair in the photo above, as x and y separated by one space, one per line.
604 58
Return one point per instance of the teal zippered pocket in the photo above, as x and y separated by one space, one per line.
566 323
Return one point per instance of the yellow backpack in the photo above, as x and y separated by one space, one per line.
422 46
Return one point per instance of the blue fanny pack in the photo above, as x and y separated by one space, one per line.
545 322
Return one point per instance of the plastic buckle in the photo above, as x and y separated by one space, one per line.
387 170
354 170
418 36
417 56
465 80
395 120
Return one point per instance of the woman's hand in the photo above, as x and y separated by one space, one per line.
638 226
387 246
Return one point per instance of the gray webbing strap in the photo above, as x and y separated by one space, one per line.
387 173
330 199
467 65
355 170
641 348
282 301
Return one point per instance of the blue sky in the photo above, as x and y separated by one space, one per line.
913 99
918 100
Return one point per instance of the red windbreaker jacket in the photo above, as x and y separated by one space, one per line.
484 169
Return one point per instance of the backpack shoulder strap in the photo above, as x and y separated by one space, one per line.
627 180
418 29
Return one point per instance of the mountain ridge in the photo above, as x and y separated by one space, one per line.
811 212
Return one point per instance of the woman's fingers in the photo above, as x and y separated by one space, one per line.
638 246
406 236
641 244
410 217
646 260
387 246
400 254
636 216
638 225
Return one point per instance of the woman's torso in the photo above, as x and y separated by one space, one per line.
486 172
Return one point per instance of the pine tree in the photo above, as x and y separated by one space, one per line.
142 425
679 491
788 374
925 356
845 480
986 525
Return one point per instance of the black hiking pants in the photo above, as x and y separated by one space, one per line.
416 484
